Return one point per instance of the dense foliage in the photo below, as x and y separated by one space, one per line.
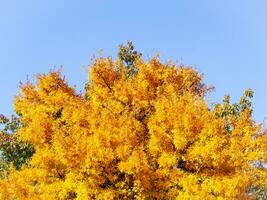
143 131
12 150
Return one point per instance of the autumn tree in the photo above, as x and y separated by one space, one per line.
147 134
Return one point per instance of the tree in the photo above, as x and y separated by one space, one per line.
147 135
128 55
12 150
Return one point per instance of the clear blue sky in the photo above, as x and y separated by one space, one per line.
225 40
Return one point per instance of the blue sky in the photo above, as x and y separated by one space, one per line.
225 40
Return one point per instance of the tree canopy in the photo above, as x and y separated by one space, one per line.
142 134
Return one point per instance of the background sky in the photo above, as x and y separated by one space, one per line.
225 40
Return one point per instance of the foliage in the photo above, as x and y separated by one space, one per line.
12 150
259 193
150 135
128 55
